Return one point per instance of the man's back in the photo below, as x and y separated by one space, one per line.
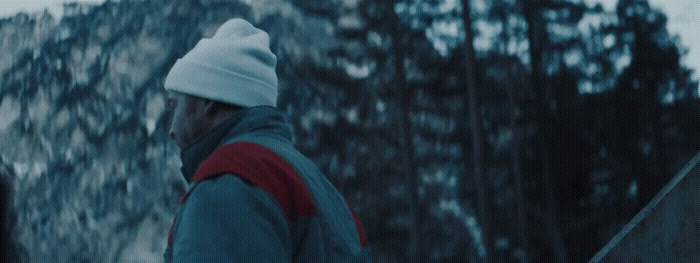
256 198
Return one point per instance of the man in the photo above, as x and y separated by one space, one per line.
5 233
252 197
9 251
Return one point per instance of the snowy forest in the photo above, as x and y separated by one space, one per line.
460 131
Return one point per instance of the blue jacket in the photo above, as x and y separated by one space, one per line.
252 197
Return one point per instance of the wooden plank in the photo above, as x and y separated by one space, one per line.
667 229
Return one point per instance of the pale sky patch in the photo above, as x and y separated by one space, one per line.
682 20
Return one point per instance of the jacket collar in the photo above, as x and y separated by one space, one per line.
264 119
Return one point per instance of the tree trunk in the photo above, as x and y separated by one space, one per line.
516 153
516 146
477 131
536 35
406 137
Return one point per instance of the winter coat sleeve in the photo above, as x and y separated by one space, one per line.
226 219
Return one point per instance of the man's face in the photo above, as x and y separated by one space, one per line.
188 118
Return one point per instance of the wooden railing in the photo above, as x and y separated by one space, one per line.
667 229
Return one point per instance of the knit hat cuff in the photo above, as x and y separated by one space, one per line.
215 83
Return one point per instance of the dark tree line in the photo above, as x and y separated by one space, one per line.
589 124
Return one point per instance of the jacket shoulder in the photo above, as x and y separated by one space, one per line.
261 167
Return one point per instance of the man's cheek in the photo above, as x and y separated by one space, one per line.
175 125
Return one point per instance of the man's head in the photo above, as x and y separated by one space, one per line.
234 67
192 116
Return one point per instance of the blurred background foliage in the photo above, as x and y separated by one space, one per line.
583 114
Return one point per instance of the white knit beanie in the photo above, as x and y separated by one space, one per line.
235 66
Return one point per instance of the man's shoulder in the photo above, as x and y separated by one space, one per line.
263 168
245 159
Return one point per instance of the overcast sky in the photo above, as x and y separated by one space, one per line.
683 18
